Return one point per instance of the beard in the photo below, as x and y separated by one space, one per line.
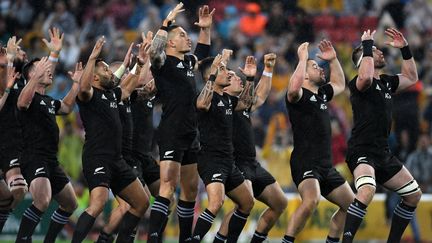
108 84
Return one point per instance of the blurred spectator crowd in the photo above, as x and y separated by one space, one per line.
248 28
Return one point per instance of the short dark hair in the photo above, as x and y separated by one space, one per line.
204 65
357 52
28 67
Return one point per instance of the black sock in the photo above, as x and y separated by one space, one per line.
219 238
58 220
127 228
235 226
402 215
104 237
29 221
202 226
161 236
258 237
288 239
4 214
158 215
83 227
185 213
332 240
355 215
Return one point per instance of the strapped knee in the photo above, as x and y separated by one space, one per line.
365 180
408 189
17 182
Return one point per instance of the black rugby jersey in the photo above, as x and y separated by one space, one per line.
39 127
243 137
216 127
125 111
372 112
310 122
142 113
176 90
9 125
102 124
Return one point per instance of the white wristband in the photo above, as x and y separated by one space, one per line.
53 59
267 74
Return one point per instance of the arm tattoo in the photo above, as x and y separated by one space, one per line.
206 95
157 51
248 95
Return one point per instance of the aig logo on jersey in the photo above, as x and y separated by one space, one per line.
190 73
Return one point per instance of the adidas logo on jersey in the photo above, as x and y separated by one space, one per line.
377 87
180 65
197 237
42 102
387 96
323 107
313 98
220 103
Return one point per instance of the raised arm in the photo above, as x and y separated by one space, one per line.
205 20
85 89
263 87
295 91
157 51
408 75
337 76
247 96
11 51
54 45
365 63
137 78
26 96
10 81
205 97
68 102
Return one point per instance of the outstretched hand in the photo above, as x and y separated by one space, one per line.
250 67
97 48
328 53
303 52
144 47
205 17
41 67
173 13
12 48
368 35
396 38
56 40
11 77
76 75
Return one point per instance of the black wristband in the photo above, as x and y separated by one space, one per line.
367 48
164 28
212 78
406 52
250 78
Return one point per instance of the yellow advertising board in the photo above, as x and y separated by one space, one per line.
373 227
